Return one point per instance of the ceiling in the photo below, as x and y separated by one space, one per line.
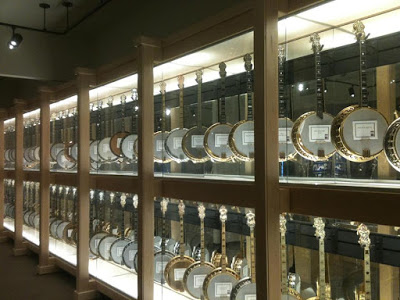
29 14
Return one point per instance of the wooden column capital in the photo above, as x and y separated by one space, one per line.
149 42
3 114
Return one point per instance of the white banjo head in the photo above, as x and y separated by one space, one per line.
286 147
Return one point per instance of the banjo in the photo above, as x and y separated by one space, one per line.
35 217
196 273
311 132
116 139
288 292
129 254
103 148
27 141
65 213
173 142
176 267
57 219
358 130
65 162
70 231
101 229
285 125
392 143
365 242
218 284
105 243
36 147
193 140
129 145
163 256
160 155
93 147
73 146
241 137
57 145
217 135
245 289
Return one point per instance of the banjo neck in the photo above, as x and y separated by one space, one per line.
163 108
281 80
123 203
181 207
223 217
199 80
251 222
249 86
319 226
181 86
202 215
361 38
317 48
365 242
164 206
284 279
134 116
222 74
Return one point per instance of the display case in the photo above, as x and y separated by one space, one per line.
9 144
31 142
9 204
31 211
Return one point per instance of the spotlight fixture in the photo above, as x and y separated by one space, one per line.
300 87
15 41
167 111
351 92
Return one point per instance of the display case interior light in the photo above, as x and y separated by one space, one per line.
32 114
64 104
9 122
124 85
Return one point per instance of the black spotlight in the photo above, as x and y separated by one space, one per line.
15 41
351 92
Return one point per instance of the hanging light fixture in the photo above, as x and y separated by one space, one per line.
15 41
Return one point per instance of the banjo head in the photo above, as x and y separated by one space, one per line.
161 259
216 142
241 140
64 162
392 144
60 230
31 153
117 249
68 233
36 153
193 144
194 277
286 148
105 246
358 133
116 141
173 145
104 150
26 155
311 136
129 253
94 242
160 155
7 155
175 270
55 149
129 146
74 151
93 153
53 228
244 290
218 284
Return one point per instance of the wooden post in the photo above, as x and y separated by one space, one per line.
85 78
3 115
266 162
148 50
45 266
19 247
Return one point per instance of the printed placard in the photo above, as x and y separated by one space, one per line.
178 274
221 139
96 243
223 289
248 137
106 147
198 281
130 145
119 142
284 135
119 251
320 133
365 130
95 150
131 255
114 231
250 297
159 145
197 141
177 142
160 266
108 247
69 232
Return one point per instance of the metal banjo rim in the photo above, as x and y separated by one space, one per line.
209 152
157 159
215 273
191 157
391 152
232 143
170 154
190 269
292 155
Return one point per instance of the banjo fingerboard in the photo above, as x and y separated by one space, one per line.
317 47
319 226
251 222
181 86
249 86
284 281
222 74
162 90
202 214
181 208
359 32
199 80
223 217
281 80
365 242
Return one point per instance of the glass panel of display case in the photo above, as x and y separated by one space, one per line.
339 77
64 135
9 204
113 239
31 143
31 211
113 130
338 259
9 144
203 251
204 113
63 222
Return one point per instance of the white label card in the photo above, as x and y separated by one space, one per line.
108 246
96 243
130 146
248 137
284 135
118 142
250 297
365 130
223 289
198 281
160 266
159 145
119 251
115 231
95 150
221 139
70 232
177 141
106 147
197 141
178 274
131 255
320 133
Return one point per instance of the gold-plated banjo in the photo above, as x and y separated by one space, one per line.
195 274
241 137
391 143
160 155
176 267
365 242
288 293
285 124
358 130
219 283
311 133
